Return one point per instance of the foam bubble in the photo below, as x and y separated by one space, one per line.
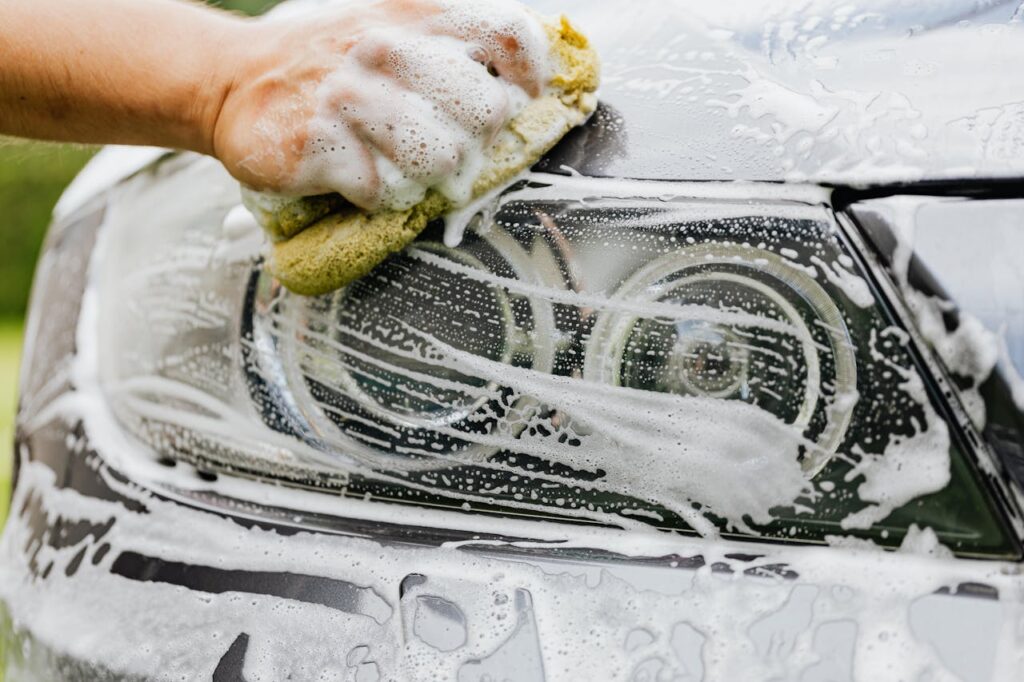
418 105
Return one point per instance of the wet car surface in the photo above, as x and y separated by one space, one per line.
663 414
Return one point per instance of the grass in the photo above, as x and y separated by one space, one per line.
10 353
32 177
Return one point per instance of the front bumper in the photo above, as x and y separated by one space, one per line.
104 578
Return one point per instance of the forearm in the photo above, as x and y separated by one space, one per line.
115 71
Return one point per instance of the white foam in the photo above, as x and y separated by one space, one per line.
456 222
910 466
970 351
852 285
414 105
644 441
239 224
924 542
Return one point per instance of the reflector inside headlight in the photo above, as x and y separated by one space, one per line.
690 355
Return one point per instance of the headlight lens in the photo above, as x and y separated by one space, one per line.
357 355
778 367
690 356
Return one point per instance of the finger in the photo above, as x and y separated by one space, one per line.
336 156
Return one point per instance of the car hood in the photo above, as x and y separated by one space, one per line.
839 93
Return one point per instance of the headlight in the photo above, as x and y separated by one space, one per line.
772 355
689 356
358 355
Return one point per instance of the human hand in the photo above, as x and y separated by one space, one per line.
377 100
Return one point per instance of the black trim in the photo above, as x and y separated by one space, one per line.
987 188
232 663
309 589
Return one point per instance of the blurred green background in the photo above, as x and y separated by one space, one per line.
32 177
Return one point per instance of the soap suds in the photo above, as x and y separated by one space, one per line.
416 104
970 350
853 286
239 223
910 467
457 220
924 542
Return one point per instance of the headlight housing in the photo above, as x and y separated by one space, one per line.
692 356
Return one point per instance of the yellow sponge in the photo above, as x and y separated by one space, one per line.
344 246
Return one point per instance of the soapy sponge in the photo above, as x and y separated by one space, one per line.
321 244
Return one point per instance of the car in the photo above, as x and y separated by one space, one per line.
725 388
